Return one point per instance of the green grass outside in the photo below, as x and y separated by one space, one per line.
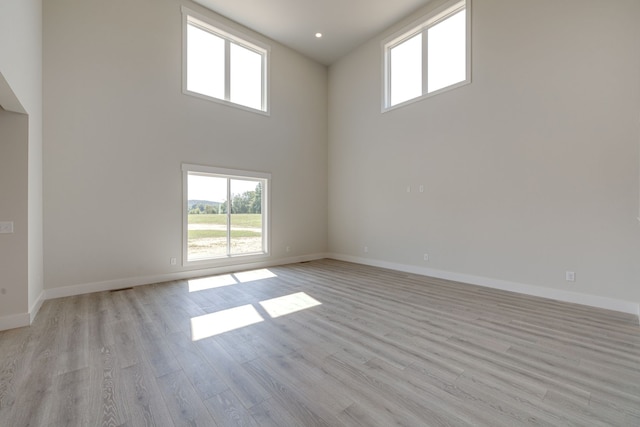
238 220
204 234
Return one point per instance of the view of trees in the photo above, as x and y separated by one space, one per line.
203 207
249 202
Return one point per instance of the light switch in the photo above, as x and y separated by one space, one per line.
6 227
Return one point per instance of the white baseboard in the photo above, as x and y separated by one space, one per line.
14 321
110 285
35 308
25 319
532 290
22 319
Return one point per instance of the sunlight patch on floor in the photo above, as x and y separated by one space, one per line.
223 321
196 285
213 282
253 275
217 323
288 304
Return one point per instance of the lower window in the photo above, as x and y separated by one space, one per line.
225 213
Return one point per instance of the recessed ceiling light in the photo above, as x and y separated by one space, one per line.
318 35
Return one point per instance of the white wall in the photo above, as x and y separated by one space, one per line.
13 207
530 171
117 128
21 81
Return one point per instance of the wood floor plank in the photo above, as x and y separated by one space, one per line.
37 369
144 405
605 404
72 405
442 399
506 403
287 396
228 411
271 414
306 366
390 407
307 384
99 329
496 362
35 396
182 401
156 349
202 376
106 388
125 343
377 348
248 391
358 416
580 413
13 346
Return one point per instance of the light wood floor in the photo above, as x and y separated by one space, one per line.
382 348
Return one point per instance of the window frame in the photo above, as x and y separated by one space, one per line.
421 26
229 35
228 174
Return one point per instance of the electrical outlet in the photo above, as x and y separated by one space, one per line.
426 257
173 261
288 249
6 227
366 249
570 276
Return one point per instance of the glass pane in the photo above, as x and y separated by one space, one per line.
406 70
205 62
447 52
246 77
246 216
206 217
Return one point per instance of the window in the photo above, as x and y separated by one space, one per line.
225 213
222 66
430 57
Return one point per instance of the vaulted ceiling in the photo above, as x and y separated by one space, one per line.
344 24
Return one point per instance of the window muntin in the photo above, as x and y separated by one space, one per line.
225 213
428 57
222 66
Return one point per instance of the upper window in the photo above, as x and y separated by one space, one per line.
220 65
429 57
225 213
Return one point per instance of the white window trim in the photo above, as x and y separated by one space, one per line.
227 33
233 174
419 25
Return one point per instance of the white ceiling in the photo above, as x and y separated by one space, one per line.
345 24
